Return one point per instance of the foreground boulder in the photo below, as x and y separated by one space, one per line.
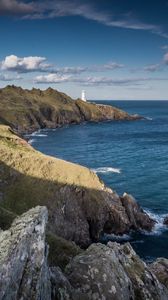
24 273
113 272
80 206
160 269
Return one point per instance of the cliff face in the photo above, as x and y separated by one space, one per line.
29 110
80 206
111 272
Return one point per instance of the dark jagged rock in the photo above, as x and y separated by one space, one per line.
24 273
137 217
165 221
30 110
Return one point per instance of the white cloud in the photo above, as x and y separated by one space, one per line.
152 68
15 7
94 68
52 78
24 64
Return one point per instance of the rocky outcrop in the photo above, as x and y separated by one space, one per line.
80 206
136 214
160 269
30 110
113 272
24 273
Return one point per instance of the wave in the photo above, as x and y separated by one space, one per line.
117 238
31 141
41 135
159 227
105 170
38 134
149 118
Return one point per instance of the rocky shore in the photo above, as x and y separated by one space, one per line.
111 272
30 110
80 206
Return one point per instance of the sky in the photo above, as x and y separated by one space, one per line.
113 49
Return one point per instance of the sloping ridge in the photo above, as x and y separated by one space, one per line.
29 110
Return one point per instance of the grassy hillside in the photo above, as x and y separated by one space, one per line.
29 110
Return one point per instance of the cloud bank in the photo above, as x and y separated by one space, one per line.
94 81
39 64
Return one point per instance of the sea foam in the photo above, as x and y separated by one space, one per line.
105 170
159 227
117 238
31 141
38 134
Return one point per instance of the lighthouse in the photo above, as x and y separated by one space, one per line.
83 96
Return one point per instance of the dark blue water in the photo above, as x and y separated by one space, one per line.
138 150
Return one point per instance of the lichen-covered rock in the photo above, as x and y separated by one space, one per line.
24 273
160 269
113 272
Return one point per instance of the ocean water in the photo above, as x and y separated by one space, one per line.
129 156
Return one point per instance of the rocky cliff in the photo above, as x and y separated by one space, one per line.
112 272
29 110
80 206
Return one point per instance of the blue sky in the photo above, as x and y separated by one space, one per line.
114 49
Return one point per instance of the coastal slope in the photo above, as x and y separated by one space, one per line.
81 208
30 110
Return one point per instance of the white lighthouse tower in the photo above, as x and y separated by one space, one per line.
83 96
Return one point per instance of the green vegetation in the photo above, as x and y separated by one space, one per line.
61 251
6 218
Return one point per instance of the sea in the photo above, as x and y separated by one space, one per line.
129 156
